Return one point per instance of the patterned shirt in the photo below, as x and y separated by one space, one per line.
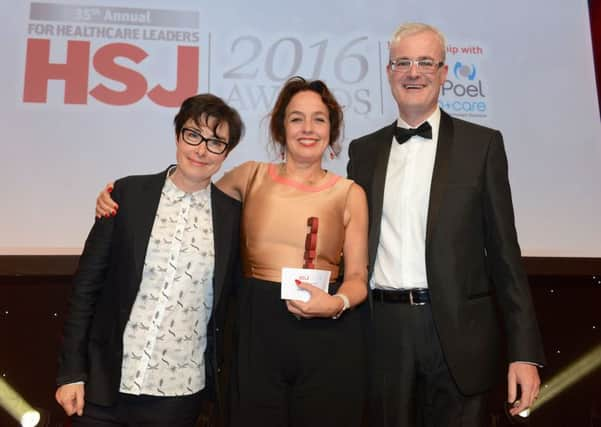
166 334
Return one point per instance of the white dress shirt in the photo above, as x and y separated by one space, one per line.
401 258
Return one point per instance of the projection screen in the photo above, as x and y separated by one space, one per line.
90 88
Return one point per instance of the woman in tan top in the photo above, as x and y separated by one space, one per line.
306 372
300 363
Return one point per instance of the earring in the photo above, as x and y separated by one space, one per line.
332 153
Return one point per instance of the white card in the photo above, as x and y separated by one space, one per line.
317 278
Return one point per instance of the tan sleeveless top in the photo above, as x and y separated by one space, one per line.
274 221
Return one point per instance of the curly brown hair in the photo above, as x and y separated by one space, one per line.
293 86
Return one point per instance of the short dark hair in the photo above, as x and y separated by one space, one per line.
293 86
205 105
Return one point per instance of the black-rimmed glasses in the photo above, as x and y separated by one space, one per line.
426 65
195 138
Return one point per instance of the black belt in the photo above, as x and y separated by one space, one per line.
407 296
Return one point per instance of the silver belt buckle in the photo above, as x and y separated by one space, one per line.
411 302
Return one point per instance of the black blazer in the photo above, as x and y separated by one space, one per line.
473 259
108 278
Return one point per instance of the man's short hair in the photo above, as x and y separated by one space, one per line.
410 28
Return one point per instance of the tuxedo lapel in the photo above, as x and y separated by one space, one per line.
222 236
440 173
382 152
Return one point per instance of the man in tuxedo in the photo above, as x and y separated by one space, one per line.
448 291
143 340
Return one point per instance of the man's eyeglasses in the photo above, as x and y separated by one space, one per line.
193 137
426 66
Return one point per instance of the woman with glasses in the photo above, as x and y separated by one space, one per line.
299 363
142 344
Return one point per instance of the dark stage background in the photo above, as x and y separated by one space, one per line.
33 307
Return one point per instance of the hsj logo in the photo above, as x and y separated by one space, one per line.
463 93
110 54
75 72
464 71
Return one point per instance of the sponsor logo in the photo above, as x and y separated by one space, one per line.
465 93
464 71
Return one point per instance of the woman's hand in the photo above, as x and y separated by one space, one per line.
321 303
71 398
105 206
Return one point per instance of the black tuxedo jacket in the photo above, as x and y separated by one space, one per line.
473 260
108 278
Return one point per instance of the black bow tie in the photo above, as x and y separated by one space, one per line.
402 134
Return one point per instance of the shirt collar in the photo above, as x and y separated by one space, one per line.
434 121
174 193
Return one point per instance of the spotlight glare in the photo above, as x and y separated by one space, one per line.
16 406
568 376
30 419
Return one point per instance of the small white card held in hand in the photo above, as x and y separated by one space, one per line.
290 290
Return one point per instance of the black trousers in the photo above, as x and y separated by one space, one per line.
296 373
138 411
410 382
